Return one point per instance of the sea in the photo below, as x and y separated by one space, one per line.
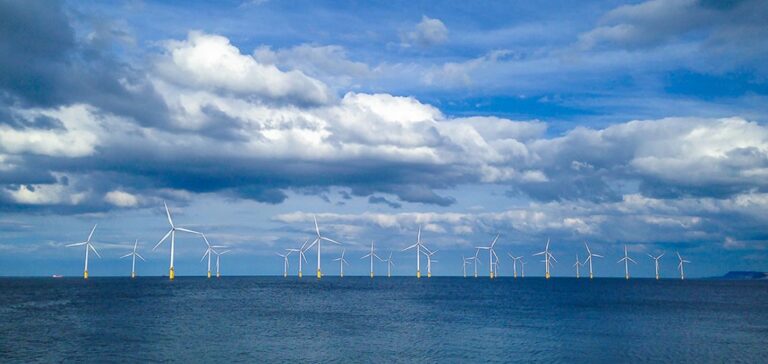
382 320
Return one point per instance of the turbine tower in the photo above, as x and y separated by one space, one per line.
429 261
341 261
418 245
218 264
464 265
317 241
372 254
88 246
577 265
680 265
390 263
656 263
626 261
491 255
514 264
589 259
547 256
522 268
475 260
210 249
134 254
301 251
285 263
172 234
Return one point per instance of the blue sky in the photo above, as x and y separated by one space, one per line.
638 123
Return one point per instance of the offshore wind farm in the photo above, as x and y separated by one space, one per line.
373 182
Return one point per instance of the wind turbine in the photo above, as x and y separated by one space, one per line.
317 241
522 268
547 257
134 254
390 263
301 254
464 265
589 259
626 261
514 264
418 245
656 263
88 246
172 234
577 265
208 252
372 254
285 263
679 266
218 265
491 255
429 261
475 260
341 261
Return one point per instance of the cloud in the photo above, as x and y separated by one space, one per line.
328 63
121 198
428 32
383 200
210 62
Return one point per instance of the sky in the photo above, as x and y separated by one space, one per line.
638 124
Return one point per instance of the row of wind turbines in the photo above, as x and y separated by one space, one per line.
419 247
209 251
493 259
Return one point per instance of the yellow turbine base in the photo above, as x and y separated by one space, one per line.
371 274
319 274
209 274
590 276
475 275
515 275
85 274
546 275
171 274
133 274
299 274
491 275
341 275
627 276
429 274
657 278
218 275
418 274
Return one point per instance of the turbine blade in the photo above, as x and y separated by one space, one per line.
168 213
317 228
539 253
94 250
163 239
598 255
126 256
331 240
91 234
189 231
365 256
77 244
140 257
410 247
208 251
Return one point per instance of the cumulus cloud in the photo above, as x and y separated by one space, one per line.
121 198
428 32
211 62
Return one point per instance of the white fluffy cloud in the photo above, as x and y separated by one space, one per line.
428 32
121 199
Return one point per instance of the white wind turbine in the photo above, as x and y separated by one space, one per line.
590 255
317 241
475 260
88 246
491 255
464 265
301 251
218 263
577 265
656 263
134 254
209 251
626 261
547 256
285 263
390 263
418 245
429 255
172 234
522 268
514 264
341 261
680 265
372 254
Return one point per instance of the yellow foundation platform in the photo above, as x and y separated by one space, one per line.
85 274
171 274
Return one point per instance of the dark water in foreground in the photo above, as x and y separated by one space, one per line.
269 319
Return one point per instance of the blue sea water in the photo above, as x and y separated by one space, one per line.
359 320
